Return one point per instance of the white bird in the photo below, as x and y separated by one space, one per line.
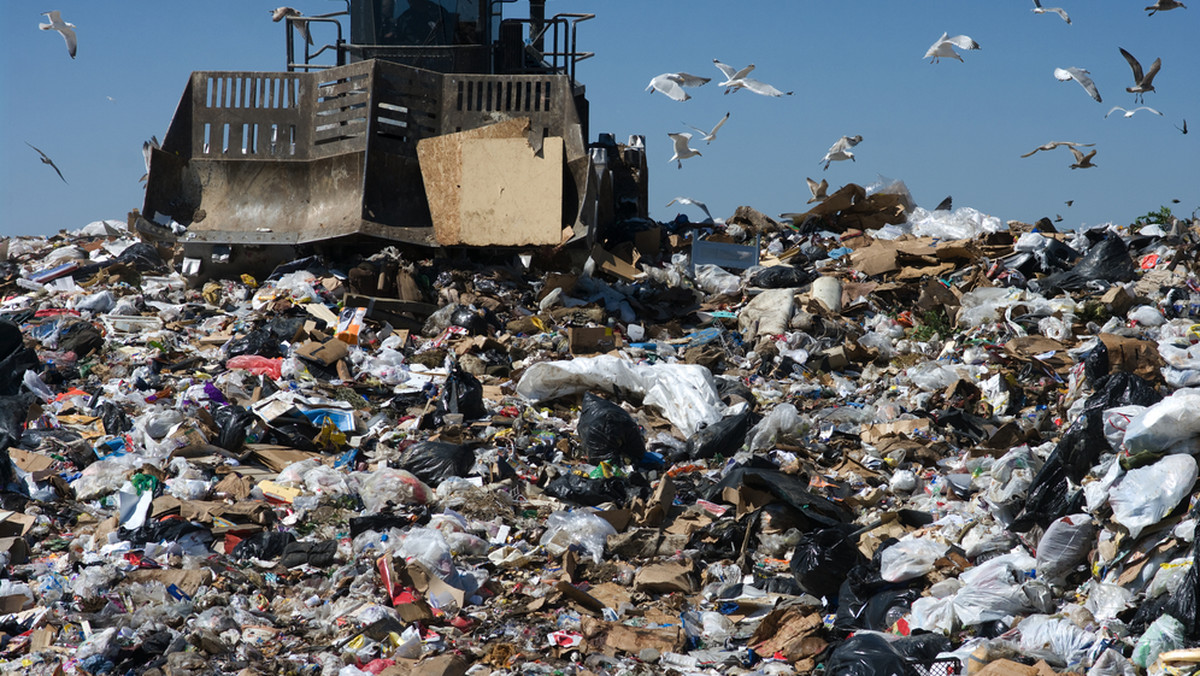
840 150
148 150
682 151
280 13
944 47
1081 76
1082 161
1038 9
735 80
687 200
708 136
820 191
1054 144
57 24
672 84
1142 83
1129 113
1164 5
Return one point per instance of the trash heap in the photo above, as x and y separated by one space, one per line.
863 439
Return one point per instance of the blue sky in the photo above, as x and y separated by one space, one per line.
855 66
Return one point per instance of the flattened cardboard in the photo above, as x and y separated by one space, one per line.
15 523
592 339
871 434
610 637
37 464
609 262
785 630
18 550
664 578
325 352
1139 357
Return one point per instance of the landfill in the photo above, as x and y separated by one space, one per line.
865 439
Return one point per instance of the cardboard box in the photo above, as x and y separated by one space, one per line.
590 339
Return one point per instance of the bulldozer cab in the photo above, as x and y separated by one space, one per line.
437 123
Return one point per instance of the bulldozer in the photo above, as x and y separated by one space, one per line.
437 123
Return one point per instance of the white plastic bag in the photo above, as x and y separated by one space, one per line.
909 558
1147 494
1057 640
715 280
782 420
1065 544
1165 633
582 528
1172 424
392 485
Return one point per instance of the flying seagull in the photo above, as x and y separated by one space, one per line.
1082 161
1054 144
1141 83
1038 9
820 191
1069 202
672 84
1164 5
280 13
735 80
944 47
1129 113
57 24
696 203
840 150
1183 128
148 150
47 160
1081 76
682 151
708 136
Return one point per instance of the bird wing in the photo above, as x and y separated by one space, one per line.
761 87
1147 108
742 73
1078 155
933 49
667 85
845 143
69 37
55 17
963 42
687 200
1133 63
1032 152
1113 110
39 152
681 141
1088 157
1081 76
1037 4
813 186
719 124
689 80
725 69
1149 78
1061 12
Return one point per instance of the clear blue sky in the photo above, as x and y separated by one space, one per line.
945 129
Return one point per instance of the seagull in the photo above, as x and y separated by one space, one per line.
946 204
1164 5
708 136
696 203
280 13
735 80
47 160
1141 83
820 191
1054 144
1129 113
682 151
1183 128
148 150
1082 161
1081 76
1038 9
1069 202
57 24
672 84
944 47
840 150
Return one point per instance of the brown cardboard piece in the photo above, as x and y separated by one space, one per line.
789 631
15 523
871 434
18 550
1139 357
276 458
664 578
188 581
591 339
610 262
609 637
37 464
1117 300
324 352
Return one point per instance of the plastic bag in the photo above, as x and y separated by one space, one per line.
822 559
1065 544
1058 641
1170 425
934 614
435 461
607 432
256 365
1107 261
582 490
1184 603
780 277
392 485
865 654
715 280
962 223
581 528
1165 633
723 438
1111 663
784 419
267 545
910 558
463 393
234 422
15 359
1146 494
430 547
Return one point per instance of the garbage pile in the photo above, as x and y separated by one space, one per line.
865 439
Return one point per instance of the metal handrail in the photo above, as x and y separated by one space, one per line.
308 65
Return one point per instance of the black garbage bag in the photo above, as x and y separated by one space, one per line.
582 490
114 419
1107 261
259 341
1083 442
313 264
866 655
15 358
822 559
81 338
143 257
781 277
315 554
463 393
266 545
923 647
731 389
1050 496
721 540
469 319
232 422
1184 604
13 411
607 431
724 437
297 433
867 601
1096 364
175 530
435 461
380 523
